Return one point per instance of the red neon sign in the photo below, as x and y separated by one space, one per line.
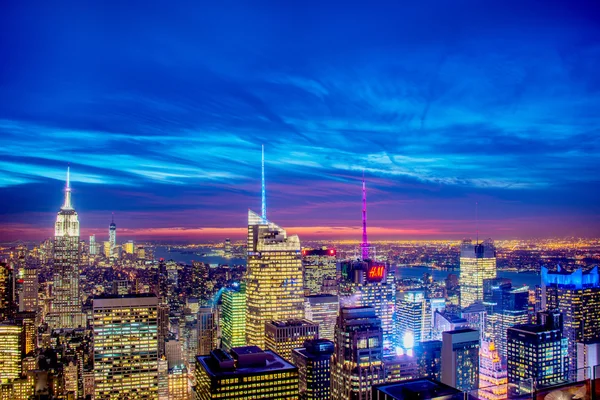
376 272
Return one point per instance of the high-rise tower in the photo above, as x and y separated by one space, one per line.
477 263
66 306
274 289
112 236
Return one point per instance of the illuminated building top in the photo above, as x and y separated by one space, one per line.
575 280
67 223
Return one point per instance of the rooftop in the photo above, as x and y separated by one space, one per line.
418 389
249 360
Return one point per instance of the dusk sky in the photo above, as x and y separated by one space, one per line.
161 110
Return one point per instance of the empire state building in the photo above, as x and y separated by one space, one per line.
66 304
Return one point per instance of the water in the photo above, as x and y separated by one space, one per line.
518 279
185 258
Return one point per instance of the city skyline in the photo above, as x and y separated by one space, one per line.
163 122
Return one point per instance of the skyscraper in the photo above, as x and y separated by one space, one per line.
368 283
7 307
112 237
284 336
207 331
460 359
371 284
413 316
233 318
322 309
274 277
357 362
477 263
126 347
29 297
66 306
537 354
314 369
577 296
93 245
319 267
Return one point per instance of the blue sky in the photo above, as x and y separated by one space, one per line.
161 109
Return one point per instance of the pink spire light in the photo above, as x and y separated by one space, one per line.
365 243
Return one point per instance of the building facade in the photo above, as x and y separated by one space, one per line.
245 373
323 310
357 362
314 369
460 359
233 318
477 263
284 336
125 347
319 267
537 354
274 282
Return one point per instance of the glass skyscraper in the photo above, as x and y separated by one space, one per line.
477 263
233 318
274 285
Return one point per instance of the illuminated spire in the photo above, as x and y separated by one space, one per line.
365 243
264 195
67 204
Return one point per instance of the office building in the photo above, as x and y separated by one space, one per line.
246 373
507 306
112 237
577 296
10 351
492 373
29 296
429 358
322 309
357 362
129 247
537 353
413 318
460 359
424 389
7 306
177 381
207 330
233 317
371 284
444 321
477 263
284 336
200 279
319 267
66 305
476 316
314 369
93 250
400 367
125 347
106 245
274 277
588 360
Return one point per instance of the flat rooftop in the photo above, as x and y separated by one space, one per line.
258 362
418 389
